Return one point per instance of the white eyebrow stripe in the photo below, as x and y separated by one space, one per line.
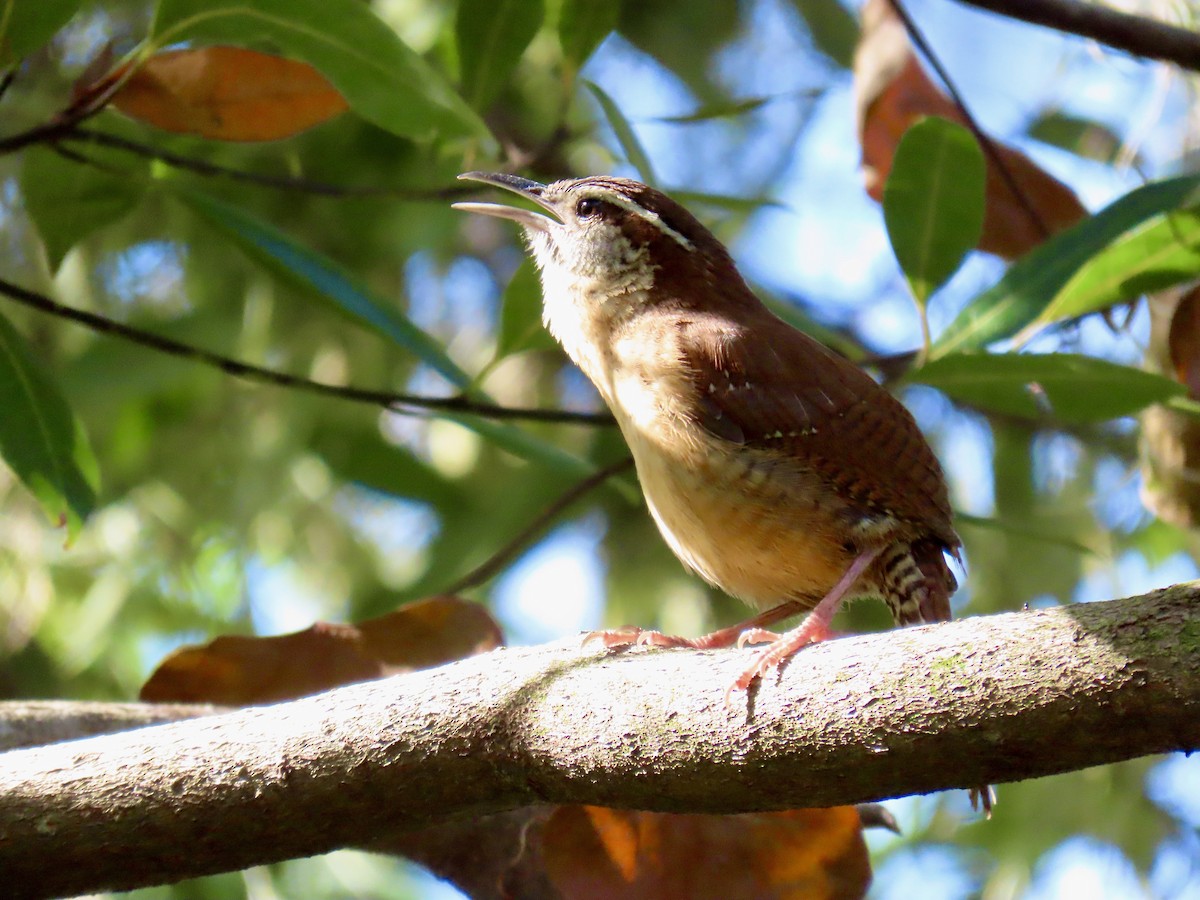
654 218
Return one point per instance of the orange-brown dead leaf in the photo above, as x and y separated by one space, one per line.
1169 445
234 670
1183 342
804 854
893 91
224 93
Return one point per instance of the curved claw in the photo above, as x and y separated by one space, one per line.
632 636
756 636
613 637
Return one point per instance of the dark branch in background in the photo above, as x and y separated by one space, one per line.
30 723
6 81
985 141
60 124
277 182
509 551
1133 34
985 700
388 400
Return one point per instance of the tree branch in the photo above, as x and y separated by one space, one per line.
1133 34
395 402
983 700
29 723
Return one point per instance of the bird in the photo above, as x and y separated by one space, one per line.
776 469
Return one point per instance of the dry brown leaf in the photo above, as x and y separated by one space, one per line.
892 92
1183 342
805 854
224 93
235 671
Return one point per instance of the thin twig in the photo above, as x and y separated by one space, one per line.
1133 34
985 140
277 182
62 123
6 81
506 554
46 133
401 403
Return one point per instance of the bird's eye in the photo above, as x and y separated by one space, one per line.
588 207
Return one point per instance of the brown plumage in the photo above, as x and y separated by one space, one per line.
776 469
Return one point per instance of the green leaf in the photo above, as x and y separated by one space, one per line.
40 438
26 25
582 25
1162 253
629 142
68 200
381 77
1035 280
1025 529
724 109
523 445
491 36
1066 386
325 279
360 454
933 202
521 314
727 202
833 28
1082 137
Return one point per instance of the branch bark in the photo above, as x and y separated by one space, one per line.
983 700
1134 34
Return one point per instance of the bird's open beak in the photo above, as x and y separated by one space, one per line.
531 190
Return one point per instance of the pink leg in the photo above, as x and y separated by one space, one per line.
814 628
726 637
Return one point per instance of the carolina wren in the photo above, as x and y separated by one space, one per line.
776 469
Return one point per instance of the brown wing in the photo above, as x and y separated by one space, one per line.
793 397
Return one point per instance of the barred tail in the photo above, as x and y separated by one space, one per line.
917 582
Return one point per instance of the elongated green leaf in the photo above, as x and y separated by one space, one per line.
523 445
626 137
1034 281
1066 386
491 36
25 25
325 279
381 77
1024 529
40 438
68 200
1164 252
333 285
727 109
521 314
361 455
1080 136
933 202
833 28
582 25
738 206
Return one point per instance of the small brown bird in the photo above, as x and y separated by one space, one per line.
776 469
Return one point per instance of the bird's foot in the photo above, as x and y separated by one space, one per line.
983 799
632 636
781 647
756 636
